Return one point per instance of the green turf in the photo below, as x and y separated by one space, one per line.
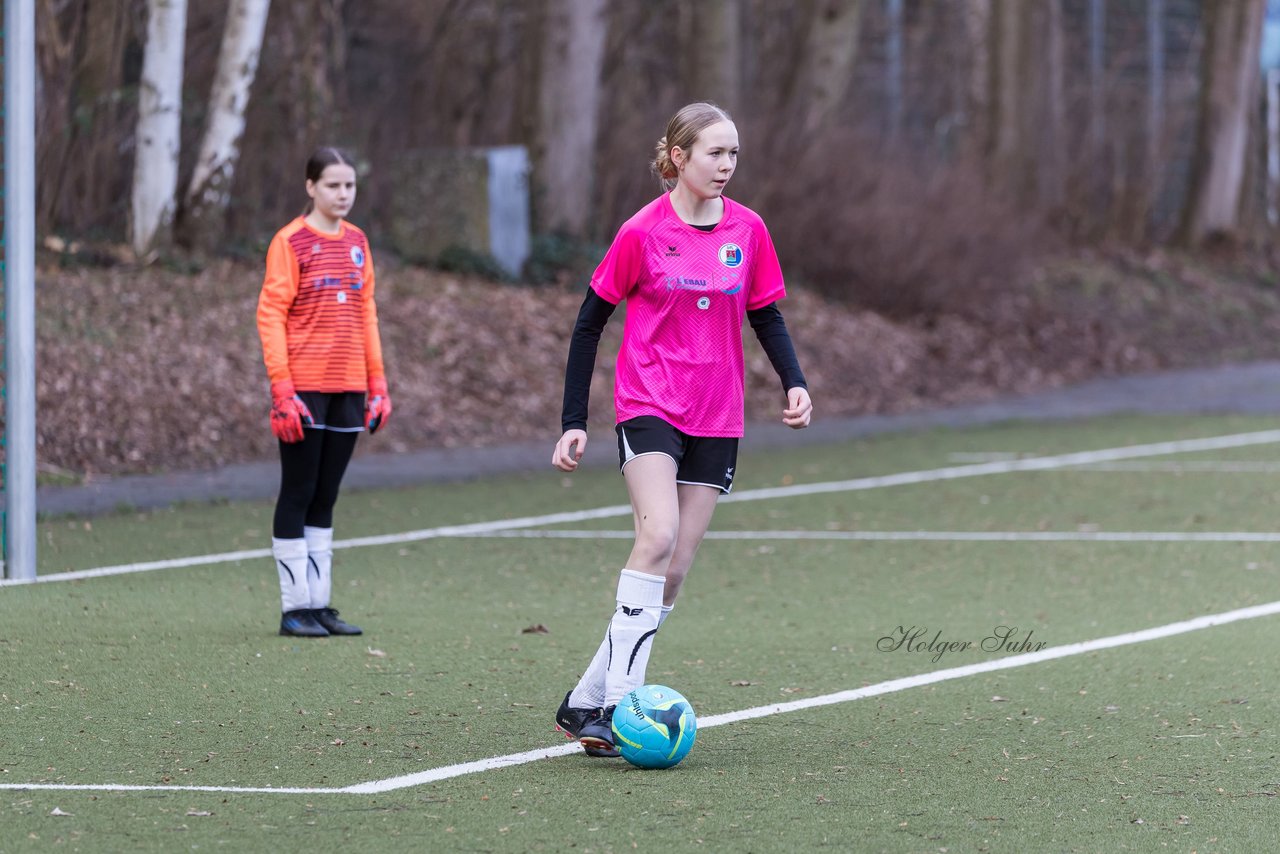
176 677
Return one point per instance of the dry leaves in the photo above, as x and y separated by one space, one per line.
145 370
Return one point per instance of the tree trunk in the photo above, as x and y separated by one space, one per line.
1052 179
1015 74
158 141
568 113
830 52
203 216
713 51
975 97
1233 33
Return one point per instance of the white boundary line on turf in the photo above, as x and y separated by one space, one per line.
939 536
1235 440
447 772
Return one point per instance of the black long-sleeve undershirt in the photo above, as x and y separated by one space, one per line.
592 317
771 331
766 321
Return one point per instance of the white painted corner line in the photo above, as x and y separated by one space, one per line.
494 763
1058 461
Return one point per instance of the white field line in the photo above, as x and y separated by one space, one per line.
939 536
447 772
1188 467
1171 466
1235 440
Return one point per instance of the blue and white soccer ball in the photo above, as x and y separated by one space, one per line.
654 727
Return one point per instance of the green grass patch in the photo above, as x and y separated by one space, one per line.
177 677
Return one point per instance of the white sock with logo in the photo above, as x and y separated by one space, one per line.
631 632
590 691
292 564
319 564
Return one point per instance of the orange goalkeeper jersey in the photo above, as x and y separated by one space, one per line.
316 315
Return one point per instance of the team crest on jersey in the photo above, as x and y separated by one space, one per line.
704 303
731 255
357 256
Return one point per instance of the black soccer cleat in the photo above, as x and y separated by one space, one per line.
574 722
570 720
596 737
301 624
333 624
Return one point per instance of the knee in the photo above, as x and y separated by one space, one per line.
658 538
293 501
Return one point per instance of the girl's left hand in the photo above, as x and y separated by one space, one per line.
799 409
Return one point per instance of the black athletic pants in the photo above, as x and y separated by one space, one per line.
310 473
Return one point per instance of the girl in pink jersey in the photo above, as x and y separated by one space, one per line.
692 264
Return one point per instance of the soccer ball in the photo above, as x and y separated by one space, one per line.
654 727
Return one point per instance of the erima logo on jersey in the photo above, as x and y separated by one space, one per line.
731 255
673 252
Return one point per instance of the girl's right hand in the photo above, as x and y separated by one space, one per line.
569 450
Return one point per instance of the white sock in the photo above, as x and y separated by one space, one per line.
666 612
291 562
631 632
589 692
319 563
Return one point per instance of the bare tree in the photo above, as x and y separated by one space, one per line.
1012 74
155 171
831 48
1233 33
203 215
713 53
1053 100
568 112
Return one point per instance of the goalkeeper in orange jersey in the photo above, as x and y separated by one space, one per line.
319 329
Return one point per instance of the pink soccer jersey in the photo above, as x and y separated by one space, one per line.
687 292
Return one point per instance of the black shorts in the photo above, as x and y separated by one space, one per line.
340 411
700 460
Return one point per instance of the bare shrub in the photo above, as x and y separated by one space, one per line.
887 232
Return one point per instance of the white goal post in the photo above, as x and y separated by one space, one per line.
19 289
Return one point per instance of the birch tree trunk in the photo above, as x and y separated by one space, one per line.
203 216
155 170
1233 34
569 112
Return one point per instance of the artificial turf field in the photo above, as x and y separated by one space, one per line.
156 709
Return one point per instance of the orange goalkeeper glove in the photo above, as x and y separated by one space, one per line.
377 405
288 413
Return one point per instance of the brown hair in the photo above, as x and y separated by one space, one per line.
322 158
682 132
